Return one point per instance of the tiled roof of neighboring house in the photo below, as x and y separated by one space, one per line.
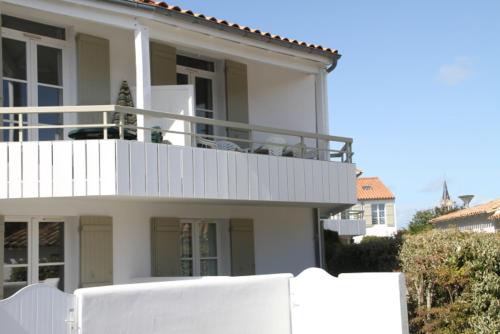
371 188
170 8
491 208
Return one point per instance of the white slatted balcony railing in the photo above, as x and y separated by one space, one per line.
118 167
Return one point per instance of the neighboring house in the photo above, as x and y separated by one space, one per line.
86 197
480 218
377 203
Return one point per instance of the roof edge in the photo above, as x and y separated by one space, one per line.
243 31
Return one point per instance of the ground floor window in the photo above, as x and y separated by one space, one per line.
200 247
34 252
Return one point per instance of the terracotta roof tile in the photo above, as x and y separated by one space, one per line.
491 208
168 7
371 188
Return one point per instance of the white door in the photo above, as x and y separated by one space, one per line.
34 252
32 76
204 86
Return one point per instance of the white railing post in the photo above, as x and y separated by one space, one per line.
143 77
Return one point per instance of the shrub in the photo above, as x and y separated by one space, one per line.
453 281
373 254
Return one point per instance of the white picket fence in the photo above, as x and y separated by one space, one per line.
312 302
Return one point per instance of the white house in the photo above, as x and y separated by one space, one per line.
483 217
225 172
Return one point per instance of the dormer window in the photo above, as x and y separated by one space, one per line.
367 187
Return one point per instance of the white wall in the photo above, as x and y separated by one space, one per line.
284 240
475 224
256 304
281 98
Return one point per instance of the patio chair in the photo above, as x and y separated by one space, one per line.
220 144
301 151
275 145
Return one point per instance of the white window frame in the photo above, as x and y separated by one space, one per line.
195 246
378 213
32 41
33 242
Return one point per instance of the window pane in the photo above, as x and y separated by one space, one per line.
14 58
48 96
204 98
186 268
14 280
33 27
16 243
208 240
208 267
186 240
52 275
49 65
182 79
195 63
51 242
15 94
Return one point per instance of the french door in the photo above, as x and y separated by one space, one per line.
32 76
34 251
203 82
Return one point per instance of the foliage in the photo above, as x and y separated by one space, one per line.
373 254
453 281
420 221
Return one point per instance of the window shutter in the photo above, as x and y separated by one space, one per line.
96 251
93 71
163 64
389 214
2 237
242 247
237 98
368 214
165 247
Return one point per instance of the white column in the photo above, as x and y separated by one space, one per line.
142 77
322 125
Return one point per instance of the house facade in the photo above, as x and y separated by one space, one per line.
479 218
140 140
378 205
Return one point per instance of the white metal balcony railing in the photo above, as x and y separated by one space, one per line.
347 223
322 148
119 167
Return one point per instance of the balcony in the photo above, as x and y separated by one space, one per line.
166 157
346 223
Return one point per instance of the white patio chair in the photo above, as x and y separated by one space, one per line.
301 151
206 142
229 146
275 145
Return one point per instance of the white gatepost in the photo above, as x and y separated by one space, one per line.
143 77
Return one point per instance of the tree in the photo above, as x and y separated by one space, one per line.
453 281
421 220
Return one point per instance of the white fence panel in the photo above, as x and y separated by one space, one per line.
40 309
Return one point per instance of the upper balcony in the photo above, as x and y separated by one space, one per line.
218 116
170 159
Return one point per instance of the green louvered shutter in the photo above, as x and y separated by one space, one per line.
96 251
163 64
165 247
93 75
242 247
237 98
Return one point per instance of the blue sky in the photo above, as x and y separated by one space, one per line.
417 87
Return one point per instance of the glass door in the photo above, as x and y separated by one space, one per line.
33 253
204 95
32 76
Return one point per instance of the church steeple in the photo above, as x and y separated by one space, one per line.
446 201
